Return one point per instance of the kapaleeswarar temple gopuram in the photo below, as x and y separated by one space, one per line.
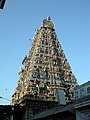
45 68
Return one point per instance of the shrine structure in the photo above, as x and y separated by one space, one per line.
45 69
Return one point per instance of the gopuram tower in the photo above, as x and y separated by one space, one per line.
45 69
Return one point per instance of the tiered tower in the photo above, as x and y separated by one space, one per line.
45 68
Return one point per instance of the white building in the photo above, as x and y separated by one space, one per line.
82 90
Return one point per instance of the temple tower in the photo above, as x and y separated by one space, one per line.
45 69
